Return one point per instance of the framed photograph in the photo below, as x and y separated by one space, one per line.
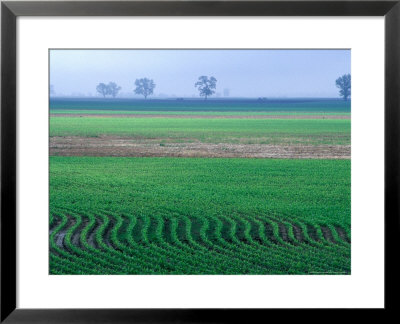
197 161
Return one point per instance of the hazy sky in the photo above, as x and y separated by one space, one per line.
246 73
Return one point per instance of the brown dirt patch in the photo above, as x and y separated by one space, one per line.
204 116
115 146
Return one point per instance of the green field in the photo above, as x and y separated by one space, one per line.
176 215
247 131
199 216
193 105
196 113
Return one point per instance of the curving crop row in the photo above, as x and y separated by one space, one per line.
105 243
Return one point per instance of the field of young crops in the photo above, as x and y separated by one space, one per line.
196 113
206 130
199 216
198 105
165 215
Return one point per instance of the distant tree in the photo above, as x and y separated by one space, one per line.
144 87
206 86
113 89
103 89
344 84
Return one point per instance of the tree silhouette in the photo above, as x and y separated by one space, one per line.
206 86
344 84
102 89
113 89
144 87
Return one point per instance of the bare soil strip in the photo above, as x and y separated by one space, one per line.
91 238
342 234
53 226
114 146
205 116
298 233
327 234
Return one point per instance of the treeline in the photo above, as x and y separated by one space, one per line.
205 85
144 86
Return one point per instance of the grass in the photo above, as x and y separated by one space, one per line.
199 216
249 131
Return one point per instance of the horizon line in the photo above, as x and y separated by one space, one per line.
193 98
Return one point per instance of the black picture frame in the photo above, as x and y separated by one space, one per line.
10 10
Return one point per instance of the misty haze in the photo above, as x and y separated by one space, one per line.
240 73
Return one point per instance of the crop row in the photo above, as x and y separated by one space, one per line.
106 244
199 216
